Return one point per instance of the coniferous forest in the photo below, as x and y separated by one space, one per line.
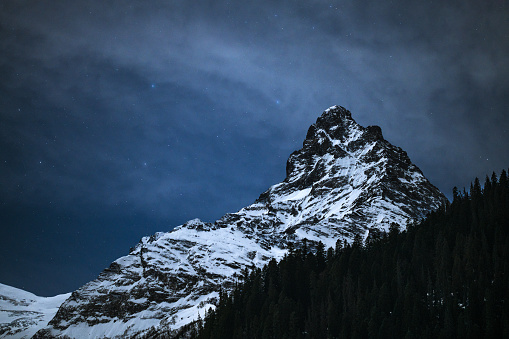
446 277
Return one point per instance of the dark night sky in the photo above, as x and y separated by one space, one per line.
119 119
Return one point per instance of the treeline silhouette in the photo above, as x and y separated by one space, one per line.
446 277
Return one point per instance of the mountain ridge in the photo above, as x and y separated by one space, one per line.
346 181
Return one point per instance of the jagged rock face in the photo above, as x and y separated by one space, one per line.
352 180
345 181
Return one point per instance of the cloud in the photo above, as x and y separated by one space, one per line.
261 73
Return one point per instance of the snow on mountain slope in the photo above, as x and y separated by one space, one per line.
347 180
23 313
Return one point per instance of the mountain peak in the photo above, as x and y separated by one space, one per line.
336 135
335 113
346 181
336 116
337 125
334 120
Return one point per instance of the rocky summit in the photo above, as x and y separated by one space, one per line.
347 181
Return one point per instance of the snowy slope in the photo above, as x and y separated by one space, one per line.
346 180
23 313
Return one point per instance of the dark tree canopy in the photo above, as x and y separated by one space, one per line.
445 278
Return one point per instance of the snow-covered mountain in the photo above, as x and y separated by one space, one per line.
23 313
347 180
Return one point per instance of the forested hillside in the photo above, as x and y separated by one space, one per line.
445 277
